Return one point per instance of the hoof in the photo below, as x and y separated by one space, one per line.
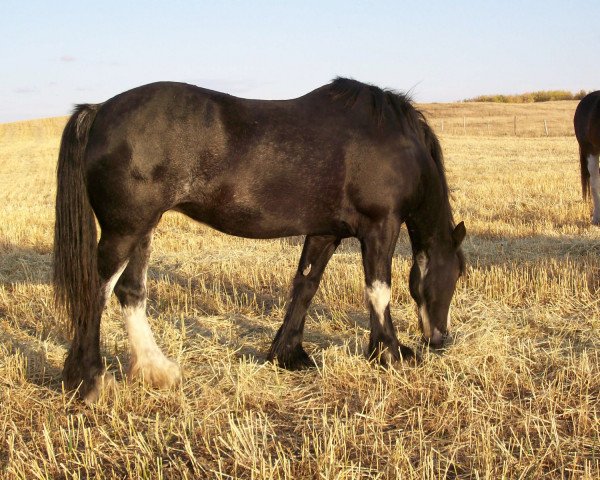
101 383
409 355
296 359
383 356
89 382
157 371
389 355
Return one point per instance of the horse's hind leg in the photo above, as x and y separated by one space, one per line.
147 360
377 250
83 365
287 345
594 169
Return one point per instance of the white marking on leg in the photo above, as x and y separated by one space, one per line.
306 271
378 295
112 281
147 359
593 168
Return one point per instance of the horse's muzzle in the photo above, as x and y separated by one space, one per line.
437 339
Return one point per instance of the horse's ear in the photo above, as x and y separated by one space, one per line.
458 234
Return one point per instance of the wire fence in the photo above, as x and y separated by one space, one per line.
516 126
548 119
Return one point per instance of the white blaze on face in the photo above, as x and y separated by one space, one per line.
593 169
426 324
423 263
378 295
431 333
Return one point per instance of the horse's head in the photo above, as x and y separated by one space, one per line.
432 282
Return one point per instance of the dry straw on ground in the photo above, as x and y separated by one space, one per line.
516 395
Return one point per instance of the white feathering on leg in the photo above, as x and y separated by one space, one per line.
147 360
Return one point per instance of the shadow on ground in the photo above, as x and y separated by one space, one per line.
20 264
251 336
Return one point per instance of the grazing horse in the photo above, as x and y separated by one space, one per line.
587 131
345 160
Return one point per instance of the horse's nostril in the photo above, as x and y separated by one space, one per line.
436 340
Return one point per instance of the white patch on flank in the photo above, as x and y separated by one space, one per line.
593 168
147 359
306 271
378 295
110 285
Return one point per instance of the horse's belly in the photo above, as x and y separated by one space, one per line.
251 222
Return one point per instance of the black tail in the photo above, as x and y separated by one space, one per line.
585 174
75 272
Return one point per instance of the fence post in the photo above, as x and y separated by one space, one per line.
546 127
515 125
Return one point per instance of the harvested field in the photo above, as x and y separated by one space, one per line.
515 395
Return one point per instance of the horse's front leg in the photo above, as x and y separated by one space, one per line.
378 246
287 345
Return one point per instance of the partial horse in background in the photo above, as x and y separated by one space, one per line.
587 131
345 160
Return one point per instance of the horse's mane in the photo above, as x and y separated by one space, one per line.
387 104
383 101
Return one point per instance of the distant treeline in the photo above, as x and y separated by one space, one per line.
531 97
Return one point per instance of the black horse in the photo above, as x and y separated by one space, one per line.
345 160
587 131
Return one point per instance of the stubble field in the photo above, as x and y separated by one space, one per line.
515 395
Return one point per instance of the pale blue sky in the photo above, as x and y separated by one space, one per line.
56 54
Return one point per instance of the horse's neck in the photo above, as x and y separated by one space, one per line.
427 232
430 221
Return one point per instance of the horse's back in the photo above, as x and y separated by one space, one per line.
254 168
